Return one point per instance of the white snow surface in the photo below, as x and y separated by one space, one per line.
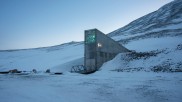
154 44
109 86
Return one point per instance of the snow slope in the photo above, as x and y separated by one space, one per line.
168 17
42 58
150 44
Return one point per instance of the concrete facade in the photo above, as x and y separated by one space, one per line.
99 48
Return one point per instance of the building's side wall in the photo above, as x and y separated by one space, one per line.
108 48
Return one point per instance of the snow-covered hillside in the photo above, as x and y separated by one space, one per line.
158 33
55 58
152 54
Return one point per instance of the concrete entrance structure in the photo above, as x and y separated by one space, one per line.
99 48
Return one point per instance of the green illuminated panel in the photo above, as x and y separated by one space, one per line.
90 38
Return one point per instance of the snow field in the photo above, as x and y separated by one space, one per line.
98 87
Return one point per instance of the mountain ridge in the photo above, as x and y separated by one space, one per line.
168 14
46 47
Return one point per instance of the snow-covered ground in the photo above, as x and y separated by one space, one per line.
102 86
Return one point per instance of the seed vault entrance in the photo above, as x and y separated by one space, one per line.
99 48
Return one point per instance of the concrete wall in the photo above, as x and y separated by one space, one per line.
103 49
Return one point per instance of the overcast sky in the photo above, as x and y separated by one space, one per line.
40 23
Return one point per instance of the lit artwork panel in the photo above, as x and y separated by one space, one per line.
90 38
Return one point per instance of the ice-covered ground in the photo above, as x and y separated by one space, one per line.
102 86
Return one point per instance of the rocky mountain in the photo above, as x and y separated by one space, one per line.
166 21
